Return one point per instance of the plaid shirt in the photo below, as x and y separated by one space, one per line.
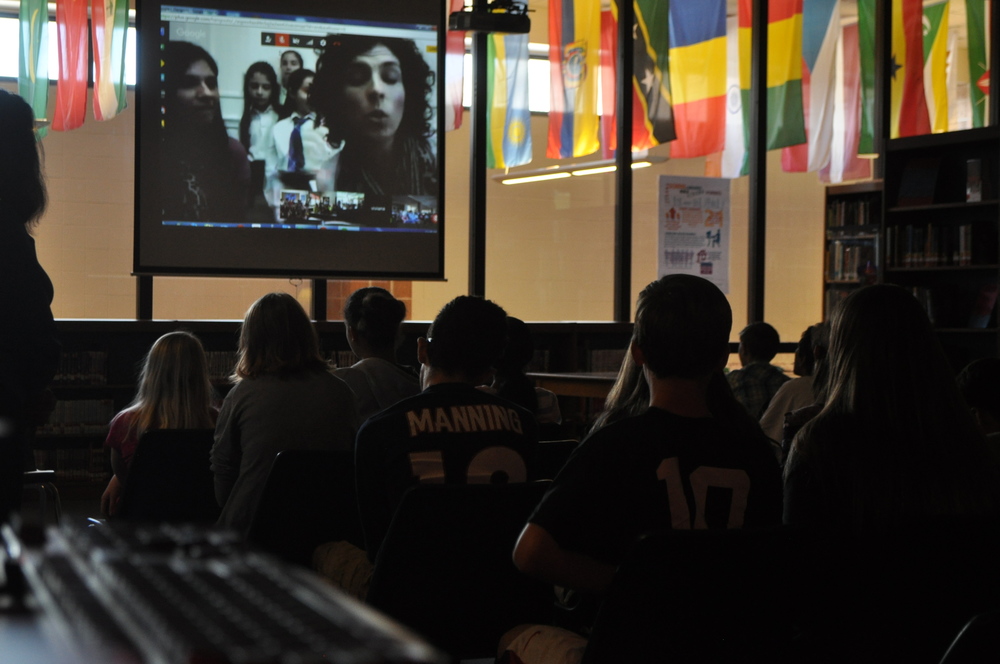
755 384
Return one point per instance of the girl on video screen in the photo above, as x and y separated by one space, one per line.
260 113
205 172
373 94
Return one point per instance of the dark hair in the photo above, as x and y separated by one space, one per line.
682 326
22 186
327 93
302 63
894 441
295 81
178 56
628 396
276 337
467 336
275 101
760 341
511 382
979 384
375 315
815 338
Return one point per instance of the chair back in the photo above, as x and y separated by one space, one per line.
697 596
445 567
552 456
309 498
979 641
170 478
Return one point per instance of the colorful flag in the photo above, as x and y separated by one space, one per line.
33 59
866 46
508 141
730 163
652 116
845 164
71 89
574 55
698 77
907 105
936 65
454 73
785 117
820 32
979 59
109 20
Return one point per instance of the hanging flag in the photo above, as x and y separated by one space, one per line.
33 58
71 89
845 164
820 32
908 107
454 73
936 65
652 116
109 23
731 161
698 77
979 59
574 56
785 117
508 141
866 45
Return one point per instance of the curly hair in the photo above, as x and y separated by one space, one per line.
327 93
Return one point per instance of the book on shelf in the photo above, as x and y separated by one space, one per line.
852 261
851 212
929 245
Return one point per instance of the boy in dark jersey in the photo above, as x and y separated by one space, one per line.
695 459
451 432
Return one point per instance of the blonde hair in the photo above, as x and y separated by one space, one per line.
276 337
175 391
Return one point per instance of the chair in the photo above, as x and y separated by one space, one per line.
445 567
170 478
698 596
552 456
41 482
979 641
308 498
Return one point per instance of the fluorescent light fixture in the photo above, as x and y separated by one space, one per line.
577 169
535 178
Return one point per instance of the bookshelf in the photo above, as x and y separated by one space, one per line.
941 219
853 239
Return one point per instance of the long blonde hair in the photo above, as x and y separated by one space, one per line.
175 391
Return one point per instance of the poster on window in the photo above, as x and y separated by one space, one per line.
694 228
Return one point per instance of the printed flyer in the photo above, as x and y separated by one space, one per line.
694 228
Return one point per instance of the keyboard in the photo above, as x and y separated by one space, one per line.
176 594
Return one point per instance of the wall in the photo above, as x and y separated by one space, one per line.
549 245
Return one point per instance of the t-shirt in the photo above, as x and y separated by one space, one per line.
450 433
378 384
121 436
654 471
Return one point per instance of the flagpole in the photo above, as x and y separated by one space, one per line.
993 29
623 159
883 83
477 176
757 158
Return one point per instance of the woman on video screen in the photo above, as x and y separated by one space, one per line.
373 93
205 172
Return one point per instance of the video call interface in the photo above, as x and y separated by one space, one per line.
329 124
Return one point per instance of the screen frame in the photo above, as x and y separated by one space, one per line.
147 135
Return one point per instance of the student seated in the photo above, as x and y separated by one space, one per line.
979 383
175 392
372 317
450 433
756 383
512 383
798 392
665 468
284 398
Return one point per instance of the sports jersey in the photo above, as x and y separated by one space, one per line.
659 470
450 433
